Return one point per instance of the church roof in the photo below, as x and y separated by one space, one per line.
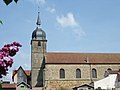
77 58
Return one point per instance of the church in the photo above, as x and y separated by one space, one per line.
56 70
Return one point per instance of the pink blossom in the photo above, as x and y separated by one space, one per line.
6 54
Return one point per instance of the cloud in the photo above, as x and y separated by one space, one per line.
67 21
27 65
51 9
70 22
22 59
79 33
23 56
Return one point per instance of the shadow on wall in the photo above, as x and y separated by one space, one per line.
40 78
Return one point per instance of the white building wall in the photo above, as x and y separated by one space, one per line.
106 83
15 78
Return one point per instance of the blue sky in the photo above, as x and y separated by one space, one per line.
71 26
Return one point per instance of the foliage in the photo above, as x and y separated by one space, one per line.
6 54
99 88
0 86
7 2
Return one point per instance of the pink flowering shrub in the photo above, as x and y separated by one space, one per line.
6 54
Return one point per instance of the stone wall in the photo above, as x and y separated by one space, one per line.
37 61
66 84
53 80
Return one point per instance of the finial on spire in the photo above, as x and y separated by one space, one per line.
38 20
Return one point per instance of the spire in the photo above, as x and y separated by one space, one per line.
38 20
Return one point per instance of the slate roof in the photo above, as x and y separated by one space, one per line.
78 58
84 85
28 86
27 72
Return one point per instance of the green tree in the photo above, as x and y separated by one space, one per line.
99 88
0 85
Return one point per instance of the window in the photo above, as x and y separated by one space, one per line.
20 76
39 43
109 69
62 73
78 73
22 88
94 73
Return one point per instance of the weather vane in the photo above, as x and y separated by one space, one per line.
38 19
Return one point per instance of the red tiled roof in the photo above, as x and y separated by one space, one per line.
74 58
27 72
5 85
115 72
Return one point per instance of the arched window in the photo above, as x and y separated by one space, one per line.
106 73
62 73
78 73
94 73
39 43
109 69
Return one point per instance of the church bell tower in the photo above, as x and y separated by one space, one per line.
38 51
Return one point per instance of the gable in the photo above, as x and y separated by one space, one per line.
23 84
26 72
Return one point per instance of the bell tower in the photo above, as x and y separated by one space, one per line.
38 51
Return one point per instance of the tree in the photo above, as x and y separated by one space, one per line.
6 54
7 2
8 51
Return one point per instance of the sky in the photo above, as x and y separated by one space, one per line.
89 26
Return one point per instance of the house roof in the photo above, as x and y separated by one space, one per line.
24 83
75 58
114 72
27 72
84 85
6 85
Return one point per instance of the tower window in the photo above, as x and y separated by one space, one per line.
78 73
39 43
94 73
62 73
